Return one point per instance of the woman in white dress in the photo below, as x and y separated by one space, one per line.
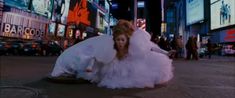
139 62
127 60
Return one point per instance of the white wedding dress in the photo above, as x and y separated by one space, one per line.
144 66
91 53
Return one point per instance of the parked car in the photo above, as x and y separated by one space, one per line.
49 48
16 47
31 48
2 48
202 52
5 48
54 49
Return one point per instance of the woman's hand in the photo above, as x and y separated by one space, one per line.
88 69
171 52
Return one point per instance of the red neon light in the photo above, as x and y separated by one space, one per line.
230 35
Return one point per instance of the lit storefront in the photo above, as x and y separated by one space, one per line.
23 25
25 19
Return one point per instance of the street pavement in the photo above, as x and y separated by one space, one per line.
24 77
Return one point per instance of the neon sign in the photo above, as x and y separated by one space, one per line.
10 30
230 35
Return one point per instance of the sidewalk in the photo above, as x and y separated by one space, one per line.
205 78
213 58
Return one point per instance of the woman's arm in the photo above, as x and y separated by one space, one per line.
156 48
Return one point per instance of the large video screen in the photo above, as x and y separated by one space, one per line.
61 9
194 11
60 30
79 12
222 13
43 7
21 4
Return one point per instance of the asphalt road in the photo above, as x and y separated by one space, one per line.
23 77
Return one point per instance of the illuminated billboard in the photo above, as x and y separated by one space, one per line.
70 32
194 11
19 31
140 4
51 29
21 4
60 30
81 11
60 12
42 7
22 26
141 23
222 13
78 12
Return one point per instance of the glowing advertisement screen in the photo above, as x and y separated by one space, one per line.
21 4
52 28
140 4
194 11
42 7
222 13
82 12
61 30
227 35
60 12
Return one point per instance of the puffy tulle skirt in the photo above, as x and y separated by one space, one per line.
131 72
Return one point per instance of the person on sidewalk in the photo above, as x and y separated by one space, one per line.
195 47
189 48
209 48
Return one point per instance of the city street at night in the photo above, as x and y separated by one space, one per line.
117 48
205 78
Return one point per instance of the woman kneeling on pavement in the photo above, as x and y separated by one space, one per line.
128 59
